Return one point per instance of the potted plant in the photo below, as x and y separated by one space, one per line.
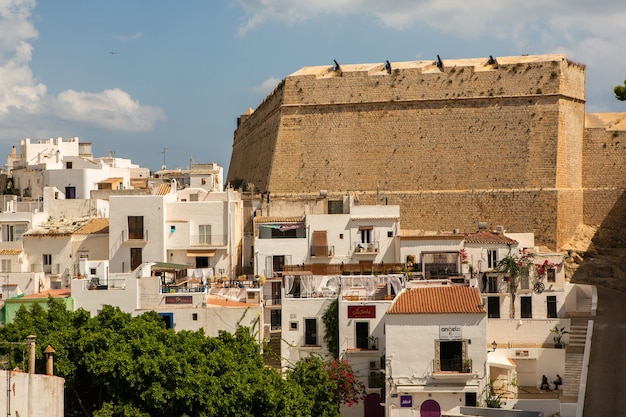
373 342
467 366
558 336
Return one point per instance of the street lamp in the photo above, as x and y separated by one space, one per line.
494 345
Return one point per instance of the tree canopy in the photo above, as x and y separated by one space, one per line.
115 364
620 92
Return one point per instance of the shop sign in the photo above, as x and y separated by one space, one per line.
361 312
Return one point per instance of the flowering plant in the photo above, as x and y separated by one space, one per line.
463 255
350 389
543 268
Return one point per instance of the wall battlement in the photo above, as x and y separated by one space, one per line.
498 141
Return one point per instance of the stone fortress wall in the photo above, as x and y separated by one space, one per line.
470 140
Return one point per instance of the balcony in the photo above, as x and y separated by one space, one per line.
361 249
135 236
322 251
95 283
208 240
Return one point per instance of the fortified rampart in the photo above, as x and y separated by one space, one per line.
454 142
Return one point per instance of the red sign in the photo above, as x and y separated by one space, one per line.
179 299
361 312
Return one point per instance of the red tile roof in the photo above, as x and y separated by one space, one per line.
438 300
489 237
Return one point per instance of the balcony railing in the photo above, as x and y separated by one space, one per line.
365 248
141 235
323 251
111 284
53 269
208 240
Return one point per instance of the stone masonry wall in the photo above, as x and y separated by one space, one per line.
453 146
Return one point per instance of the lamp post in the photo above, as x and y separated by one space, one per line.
494 345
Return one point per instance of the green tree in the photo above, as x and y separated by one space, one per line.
331 323
116 365
620 92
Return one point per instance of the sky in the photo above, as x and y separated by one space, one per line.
162 82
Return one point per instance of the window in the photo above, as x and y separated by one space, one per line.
492 258
202 261
275 320
13 233
194 316
389 233
310 332
551 305
526 307
68 165
92 271
551 275
451 355
204 232
471 399
135 258
293 325
362 330
47 263
168 319
335 207
6 265
135 227
366 234
70 193
525 278
282 231
493 307
440 265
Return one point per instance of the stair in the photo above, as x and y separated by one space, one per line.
571 379
574 357
271 355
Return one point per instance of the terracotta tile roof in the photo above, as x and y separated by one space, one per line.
10 251
484 237
94 227
438 300
163 189
266 219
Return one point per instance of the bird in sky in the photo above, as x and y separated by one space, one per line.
112 52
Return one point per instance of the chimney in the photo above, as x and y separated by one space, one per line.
31 353
49 352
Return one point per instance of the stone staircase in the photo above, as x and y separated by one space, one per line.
576 348
271 355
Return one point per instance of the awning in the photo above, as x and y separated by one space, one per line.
500 361
166 266
193 253
435 388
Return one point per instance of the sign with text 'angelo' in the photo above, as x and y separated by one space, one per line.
361 312
450 332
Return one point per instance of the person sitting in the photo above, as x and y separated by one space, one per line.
544 383
558 381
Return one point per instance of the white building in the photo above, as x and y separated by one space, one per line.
436 350
172 290
191 227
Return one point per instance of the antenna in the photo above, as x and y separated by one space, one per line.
163 152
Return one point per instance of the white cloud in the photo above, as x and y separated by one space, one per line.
111 109
266 86
24 103
125 38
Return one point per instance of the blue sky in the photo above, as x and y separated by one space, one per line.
182 72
